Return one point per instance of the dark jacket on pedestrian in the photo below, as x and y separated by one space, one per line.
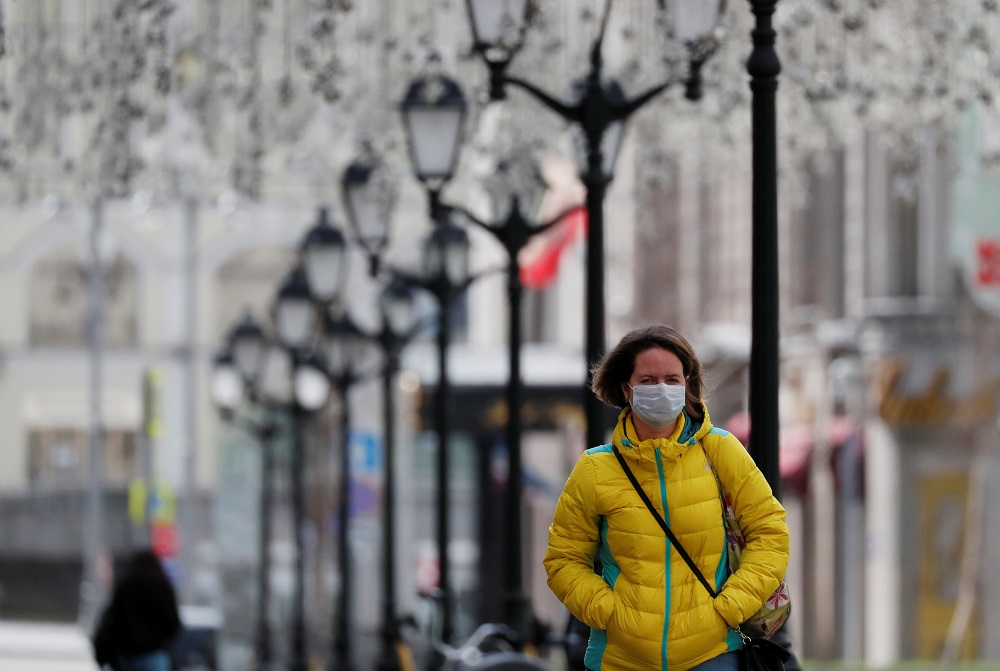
142 615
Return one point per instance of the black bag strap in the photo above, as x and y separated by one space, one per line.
659 518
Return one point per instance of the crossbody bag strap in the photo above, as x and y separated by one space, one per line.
659 518
715 474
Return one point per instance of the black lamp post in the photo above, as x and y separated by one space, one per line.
599 108
764 67
235 374
446 275
344 345
433 116
397 329
294 318
323 253
513 228
370 197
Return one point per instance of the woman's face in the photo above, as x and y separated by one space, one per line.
654 366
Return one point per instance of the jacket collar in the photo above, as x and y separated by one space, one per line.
686 433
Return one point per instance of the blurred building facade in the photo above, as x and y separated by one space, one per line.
890 337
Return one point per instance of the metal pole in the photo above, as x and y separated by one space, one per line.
189 499
515 600
389 658
596 188
265 436
298 644
93 585
341 659
441 424
764 67
150 430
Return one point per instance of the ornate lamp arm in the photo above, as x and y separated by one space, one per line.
568 112
626 110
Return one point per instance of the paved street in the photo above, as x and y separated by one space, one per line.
28 646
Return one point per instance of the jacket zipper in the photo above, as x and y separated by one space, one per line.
666 572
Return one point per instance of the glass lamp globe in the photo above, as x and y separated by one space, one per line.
369 198
397 306
294 312
694 21
246 343
227 383
433 116
345 345
311 384
324 256
497 26
446 254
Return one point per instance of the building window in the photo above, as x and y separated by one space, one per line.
817 244
903 227
61 456
57 304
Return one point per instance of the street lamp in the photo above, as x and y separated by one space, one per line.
598 107
309 292
764 67
446 276
295 317
514 183
396 303
345 346
229 385
369 197
434 110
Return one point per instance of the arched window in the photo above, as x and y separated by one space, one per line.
249 281
57 301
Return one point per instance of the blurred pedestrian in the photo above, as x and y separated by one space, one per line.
647 610
140 620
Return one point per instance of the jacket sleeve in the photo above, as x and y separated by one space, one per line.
569 559
762 520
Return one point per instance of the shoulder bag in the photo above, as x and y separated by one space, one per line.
759 654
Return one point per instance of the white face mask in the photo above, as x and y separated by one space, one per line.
658 404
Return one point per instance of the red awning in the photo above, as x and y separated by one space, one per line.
795 445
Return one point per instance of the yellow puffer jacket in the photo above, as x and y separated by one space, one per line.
648 611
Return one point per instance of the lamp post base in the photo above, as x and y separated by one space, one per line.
518 615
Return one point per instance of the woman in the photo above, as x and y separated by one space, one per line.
140 620
648 610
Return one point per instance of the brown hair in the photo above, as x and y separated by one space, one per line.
615 369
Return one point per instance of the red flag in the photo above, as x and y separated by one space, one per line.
988 262
541 267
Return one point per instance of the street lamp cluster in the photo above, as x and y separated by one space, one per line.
599 108
315 348
318 348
